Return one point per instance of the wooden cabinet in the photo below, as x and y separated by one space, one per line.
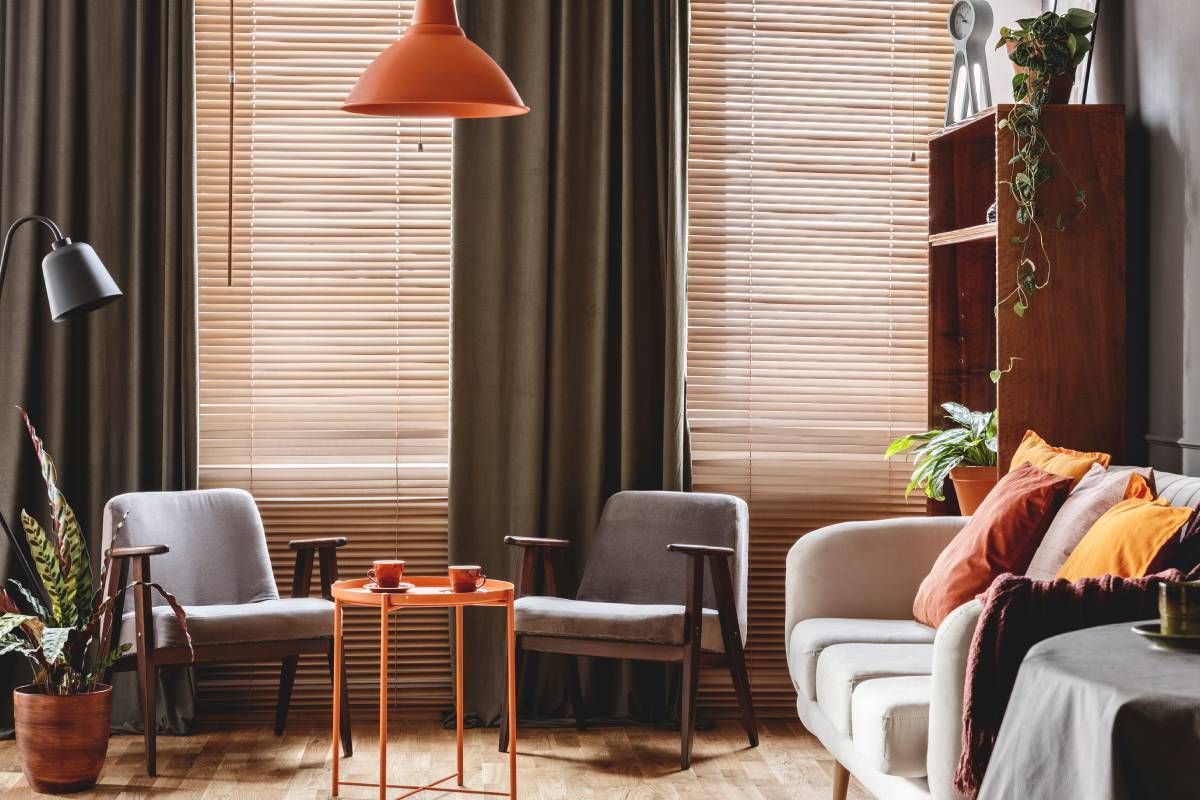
1069 381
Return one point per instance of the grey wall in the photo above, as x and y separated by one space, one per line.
1148 57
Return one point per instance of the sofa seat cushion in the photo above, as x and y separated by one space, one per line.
890 720
842 667
284 619
811 636
632 622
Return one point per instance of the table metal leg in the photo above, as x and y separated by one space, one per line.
337 689
512 702
383 697
458 686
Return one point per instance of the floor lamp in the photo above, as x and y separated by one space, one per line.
76 283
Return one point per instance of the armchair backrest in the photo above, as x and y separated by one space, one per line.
218 546
629 562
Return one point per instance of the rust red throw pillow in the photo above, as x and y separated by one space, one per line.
1001 537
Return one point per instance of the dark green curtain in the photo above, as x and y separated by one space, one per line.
96 132
568 305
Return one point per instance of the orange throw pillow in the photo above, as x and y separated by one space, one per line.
1126 539
1001 537
1071 464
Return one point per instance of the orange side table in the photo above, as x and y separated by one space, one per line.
427 592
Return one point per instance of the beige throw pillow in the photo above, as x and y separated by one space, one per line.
1096 493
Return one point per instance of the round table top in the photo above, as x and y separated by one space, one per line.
1099 713
428 590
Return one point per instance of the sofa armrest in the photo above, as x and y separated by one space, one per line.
951 650
863 570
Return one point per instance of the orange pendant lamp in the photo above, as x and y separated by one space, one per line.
434 70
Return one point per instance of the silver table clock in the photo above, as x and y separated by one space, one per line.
970 25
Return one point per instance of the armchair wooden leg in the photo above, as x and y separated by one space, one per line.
687 715
575 693
287 679
741 686
147 675
841 781
504 711
344 700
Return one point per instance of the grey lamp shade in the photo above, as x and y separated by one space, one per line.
76 280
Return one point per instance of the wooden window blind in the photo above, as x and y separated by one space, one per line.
806 269
324 317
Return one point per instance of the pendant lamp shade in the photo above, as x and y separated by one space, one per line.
434 70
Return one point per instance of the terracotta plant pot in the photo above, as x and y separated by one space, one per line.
1060 85
971 485
62 739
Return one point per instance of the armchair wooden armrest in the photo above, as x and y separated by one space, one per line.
701 550
317 544
326 550
536 550
136 552
536 541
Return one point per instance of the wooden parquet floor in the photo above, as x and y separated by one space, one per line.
232 762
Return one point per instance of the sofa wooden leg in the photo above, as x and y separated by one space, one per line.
841 781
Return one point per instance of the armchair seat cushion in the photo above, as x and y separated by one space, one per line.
842 667
890 718
631 622
810 637
269 620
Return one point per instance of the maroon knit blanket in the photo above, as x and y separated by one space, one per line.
1018 613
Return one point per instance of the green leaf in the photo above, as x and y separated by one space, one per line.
1080 196
10 622
1002 124
53 641
1079 19
46 562
107 660
994 375
1019 308
1016 241
31 600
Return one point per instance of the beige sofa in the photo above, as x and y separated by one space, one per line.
882 692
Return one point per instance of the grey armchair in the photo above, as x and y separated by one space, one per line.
210 551
639 599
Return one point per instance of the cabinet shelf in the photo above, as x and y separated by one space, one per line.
975 233
1069 384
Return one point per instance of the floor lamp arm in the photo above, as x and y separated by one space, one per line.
35 582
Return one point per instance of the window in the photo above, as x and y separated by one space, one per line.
324 315
806 269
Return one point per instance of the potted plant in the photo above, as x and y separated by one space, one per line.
966 453
1045 51
63 627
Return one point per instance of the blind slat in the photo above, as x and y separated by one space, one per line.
807 270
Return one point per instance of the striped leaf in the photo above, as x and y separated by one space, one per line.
53 642
10 622
47 564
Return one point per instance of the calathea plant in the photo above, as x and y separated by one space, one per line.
970 443
1046 50
64 629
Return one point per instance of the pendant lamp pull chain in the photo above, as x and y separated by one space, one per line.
420 142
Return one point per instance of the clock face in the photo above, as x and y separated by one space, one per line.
962 19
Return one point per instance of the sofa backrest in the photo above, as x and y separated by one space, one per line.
1179 490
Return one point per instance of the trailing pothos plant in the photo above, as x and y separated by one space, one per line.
1044 48
65 629
971 443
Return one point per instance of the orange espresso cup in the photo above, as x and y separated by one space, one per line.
387 573
467 578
